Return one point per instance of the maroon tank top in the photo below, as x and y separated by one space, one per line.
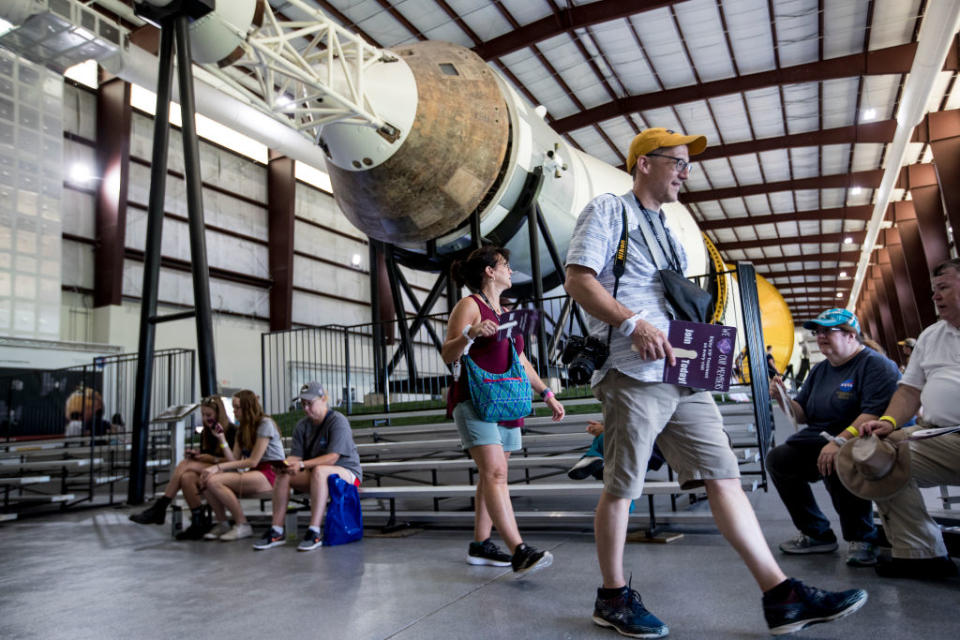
490 355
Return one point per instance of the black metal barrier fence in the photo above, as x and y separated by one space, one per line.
73 425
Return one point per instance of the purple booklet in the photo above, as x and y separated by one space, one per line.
703 354
516 322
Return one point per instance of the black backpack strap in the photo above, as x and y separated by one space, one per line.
619 260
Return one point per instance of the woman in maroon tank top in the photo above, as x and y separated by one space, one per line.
473 327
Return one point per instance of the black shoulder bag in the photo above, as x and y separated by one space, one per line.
689 302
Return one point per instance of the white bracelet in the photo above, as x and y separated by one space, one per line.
628 326
466 334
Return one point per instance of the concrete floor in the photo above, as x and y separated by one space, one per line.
95 574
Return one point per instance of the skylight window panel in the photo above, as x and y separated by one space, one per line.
776 165
835 158
702 29
765 112
765 231
788 229
805 162
809 227
624 56
854 225
865 196
383 27
810 248
797 31
746 234
757 205
747 170
697 181
866 157
525 11
840 102
710 210
789 250
485 21
893 22
801 103
731 118
748 24
830 247
782 201
718 171
880 93
940 85
756 253
695 119
662 117
832 226
725 235
734 207
735 255
832 198
843 26
807 199
663 45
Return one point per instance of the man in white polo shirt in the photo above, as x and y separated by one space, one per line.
931 381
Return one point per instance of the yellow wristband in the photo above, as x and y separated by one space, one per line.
853 430
223 445
890 419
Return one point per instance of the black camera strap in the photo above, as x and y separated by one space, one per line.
619 261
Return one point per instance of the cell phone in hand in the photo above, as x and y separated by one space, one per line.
217 428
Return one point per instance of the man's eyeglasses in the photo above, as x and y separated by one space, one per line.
681 164
822 331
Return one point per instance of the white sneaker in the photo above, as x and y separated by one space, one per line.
239 531
218 530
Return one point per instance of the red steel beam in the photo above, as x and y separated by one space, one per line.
911 239
114 116
857 236
840 213
906 295
564 20
876 132
281 210
891 60
942 131
864 179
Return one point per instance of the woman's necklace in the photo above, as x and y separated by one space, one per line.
489 304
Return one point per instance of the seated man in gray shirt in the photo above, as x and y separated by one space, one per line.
322 446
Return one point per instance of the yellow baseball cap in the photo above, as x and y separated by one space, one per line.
650 139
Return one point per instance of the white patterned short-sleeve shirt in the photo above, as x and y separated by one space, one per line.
594 241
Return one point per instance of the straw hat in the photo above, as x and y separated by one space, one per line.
872 468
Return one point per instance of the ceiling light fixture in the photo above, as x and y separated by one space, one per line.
848 240
843 274
869 114
355 261
855 191
540 110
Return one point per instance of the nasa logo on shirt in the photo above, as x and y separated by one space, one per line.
845 390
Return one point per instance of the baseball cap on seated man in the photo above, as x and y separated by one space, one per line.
834 318
909 342
651 139
311 391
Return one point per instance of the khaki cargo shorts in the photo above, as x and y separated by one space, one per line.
684 422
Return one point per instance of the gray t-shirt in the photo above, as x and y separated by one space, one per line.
333 435
594 240
268 429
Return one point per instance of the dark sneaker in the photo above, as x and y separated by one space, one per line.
803 544
586 466
861 554
526 560
311 540
270 540
808 605
487 554
197 529
917 568
627 616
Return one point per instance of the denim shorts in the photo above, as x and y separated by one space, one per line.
475 432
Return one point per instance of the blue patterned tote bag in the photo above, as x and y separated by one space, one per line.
499 396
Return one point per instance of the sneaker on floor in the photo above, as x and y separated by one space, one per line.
270 539
487 554
803 544
526 560
196 531
808 605
918 568
238 532
218 530
586 466
626 615
861 554
311 540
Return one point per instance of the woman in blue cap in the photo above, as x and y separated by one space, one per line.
851 386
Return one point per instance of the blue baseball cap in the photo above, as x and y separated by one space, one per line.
834 318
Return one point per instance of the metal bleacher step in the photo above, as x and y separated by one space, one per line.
557 517
41 498
22 480
15 466
7 517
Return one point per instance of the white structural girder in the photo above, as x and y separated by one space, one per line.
312 71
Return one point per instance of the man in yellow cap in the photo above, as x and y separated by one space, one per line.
631 315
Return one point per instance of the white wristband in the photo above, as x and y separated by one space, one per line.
628 326
466 333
